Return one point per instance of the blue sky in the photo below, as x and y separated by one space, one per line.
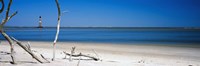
104 13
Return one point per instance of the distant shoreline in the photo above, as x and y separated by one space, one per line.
193 28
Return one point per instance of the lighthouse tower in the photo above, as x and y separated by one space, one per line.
40 22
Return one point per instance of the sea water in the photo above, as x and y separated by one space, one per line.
108 35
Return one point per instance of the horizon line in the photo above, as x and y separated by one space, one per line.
104 27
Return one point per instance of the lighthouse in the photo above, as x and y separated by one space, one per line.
40 22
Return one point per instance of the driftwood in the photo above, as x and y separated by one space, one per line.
27 50
72 52
58 29
7 37
80 54
44 58
79 61
11 47
28 45
96 54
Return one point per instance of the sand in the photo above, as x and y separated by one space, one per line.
111 54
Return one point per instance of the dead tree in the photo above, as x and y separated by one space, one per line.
7 37
58 29
28 50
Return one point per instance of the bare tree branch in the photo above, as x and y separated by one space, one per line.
8 9
58 6
3 33
2 7
8 18
58 29
96 54
11 46
44 58
79 60
72 52
28 46
13 15
27 50
7 14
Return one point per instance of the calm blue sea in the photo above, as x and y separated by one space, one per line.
102 35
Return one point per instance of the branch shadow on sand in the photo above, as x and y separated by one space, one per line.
4 53
18 62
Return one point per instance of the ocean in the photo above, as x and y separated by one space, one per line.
108 35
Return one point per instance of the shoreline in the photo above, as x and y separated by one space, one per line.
112 54
187 45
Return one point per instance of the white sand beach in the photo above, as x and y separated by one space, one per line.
110 54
